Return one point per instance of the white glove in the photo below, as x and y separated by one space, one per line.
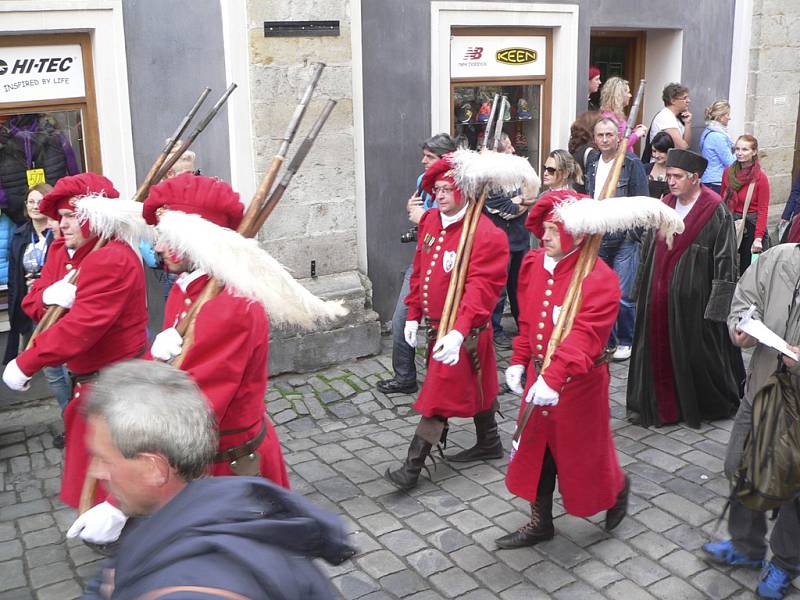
101 524
167 345
542 394
61 293
447 349
15 378
410 333
514 378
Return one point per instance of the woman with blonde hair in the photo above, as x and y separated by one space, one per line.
614 97
716 144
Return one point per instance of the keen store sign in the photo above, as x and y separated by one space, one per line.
33 73
497 56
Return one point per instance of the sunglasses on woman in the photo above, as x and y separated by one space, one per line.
551 170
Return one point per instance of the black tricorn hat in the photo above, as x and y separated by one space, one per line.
686 160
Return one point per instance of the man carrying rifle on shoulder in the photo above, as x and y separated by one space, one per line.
568 434
106 313
228 355
462 377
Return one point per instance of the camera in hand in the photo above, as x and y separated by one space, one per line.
409 236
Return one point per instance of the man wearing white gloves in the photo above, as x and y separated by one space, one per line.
106 315
227 357
462 372
568 432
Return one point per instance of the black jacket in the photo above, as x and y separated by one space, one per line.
239 534
19 322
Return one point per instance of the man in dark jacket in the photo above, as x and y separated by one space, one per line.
507 211
220 537
620 250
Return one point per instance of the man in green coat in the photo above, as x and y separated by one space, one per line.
771 285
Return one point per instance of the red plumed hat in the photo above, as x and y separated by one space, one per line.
75 186
211 198
544 210
441 170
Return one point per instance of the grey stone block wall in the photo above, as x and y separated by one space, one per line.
773 92
316 219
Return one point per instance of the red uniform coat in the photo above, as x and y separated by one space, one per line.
453 391
228 361
106 324
577 429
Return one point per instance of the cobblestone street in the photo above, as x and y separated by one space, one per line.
340 434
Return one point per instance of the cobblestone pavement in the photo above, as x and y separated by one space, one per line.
340 434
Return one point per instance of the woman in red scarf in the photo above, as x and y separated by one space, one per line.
736 181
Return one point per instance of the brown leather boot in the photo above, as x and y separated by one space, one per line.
616 513
540 528
405 477
488 444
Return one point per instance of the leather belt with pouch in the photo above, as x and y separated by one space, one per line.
244 459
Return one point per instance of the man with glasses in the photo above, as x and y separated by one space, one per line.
674 118
462 369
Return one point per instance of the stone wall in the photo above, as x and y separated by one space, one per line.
316 219
773 92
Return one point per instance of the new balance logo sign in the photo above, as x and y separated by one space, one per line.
473 53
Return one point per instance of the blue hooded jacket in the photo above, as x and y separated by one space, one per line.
239 534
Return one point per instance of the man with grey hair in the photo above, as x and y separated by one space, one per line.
403 365
152 436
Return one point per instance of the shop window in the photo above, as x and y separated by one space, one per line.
521 119
48 124
514 62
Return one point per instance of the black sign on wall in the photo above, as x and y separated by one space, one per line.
300 28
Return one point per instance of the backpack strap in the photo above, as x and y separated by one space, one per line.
197 589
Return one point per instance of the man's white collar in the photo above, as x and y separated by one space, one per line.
184 280
550 264
447 221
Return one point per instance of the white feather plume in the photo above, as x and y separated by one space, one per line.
114 218
591 217
246 269
502 173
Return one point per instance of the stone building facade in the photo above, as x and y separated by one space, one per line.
773 94
316 221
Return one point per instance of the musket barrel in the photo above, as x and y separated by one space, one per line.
487 133
300 110
162 172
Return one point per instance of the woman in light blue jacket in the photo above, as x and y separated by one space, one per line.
716 144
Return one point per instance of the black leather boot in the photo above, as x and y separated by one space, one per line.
540 528
405 478
616 513
488 444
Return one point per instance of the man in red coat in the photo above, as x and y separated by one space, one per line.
568 433
106 316
229 351
462 377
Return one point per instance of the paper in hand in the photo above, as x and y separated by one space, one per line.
757 329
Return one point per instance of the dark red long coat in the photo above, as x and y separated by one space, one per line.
577 429
454 391
106 324
228 361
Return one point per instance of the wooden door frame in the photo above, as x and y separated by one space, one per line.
87 103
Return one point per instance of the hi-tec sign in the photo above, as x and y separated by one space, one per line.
29 73
497 56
